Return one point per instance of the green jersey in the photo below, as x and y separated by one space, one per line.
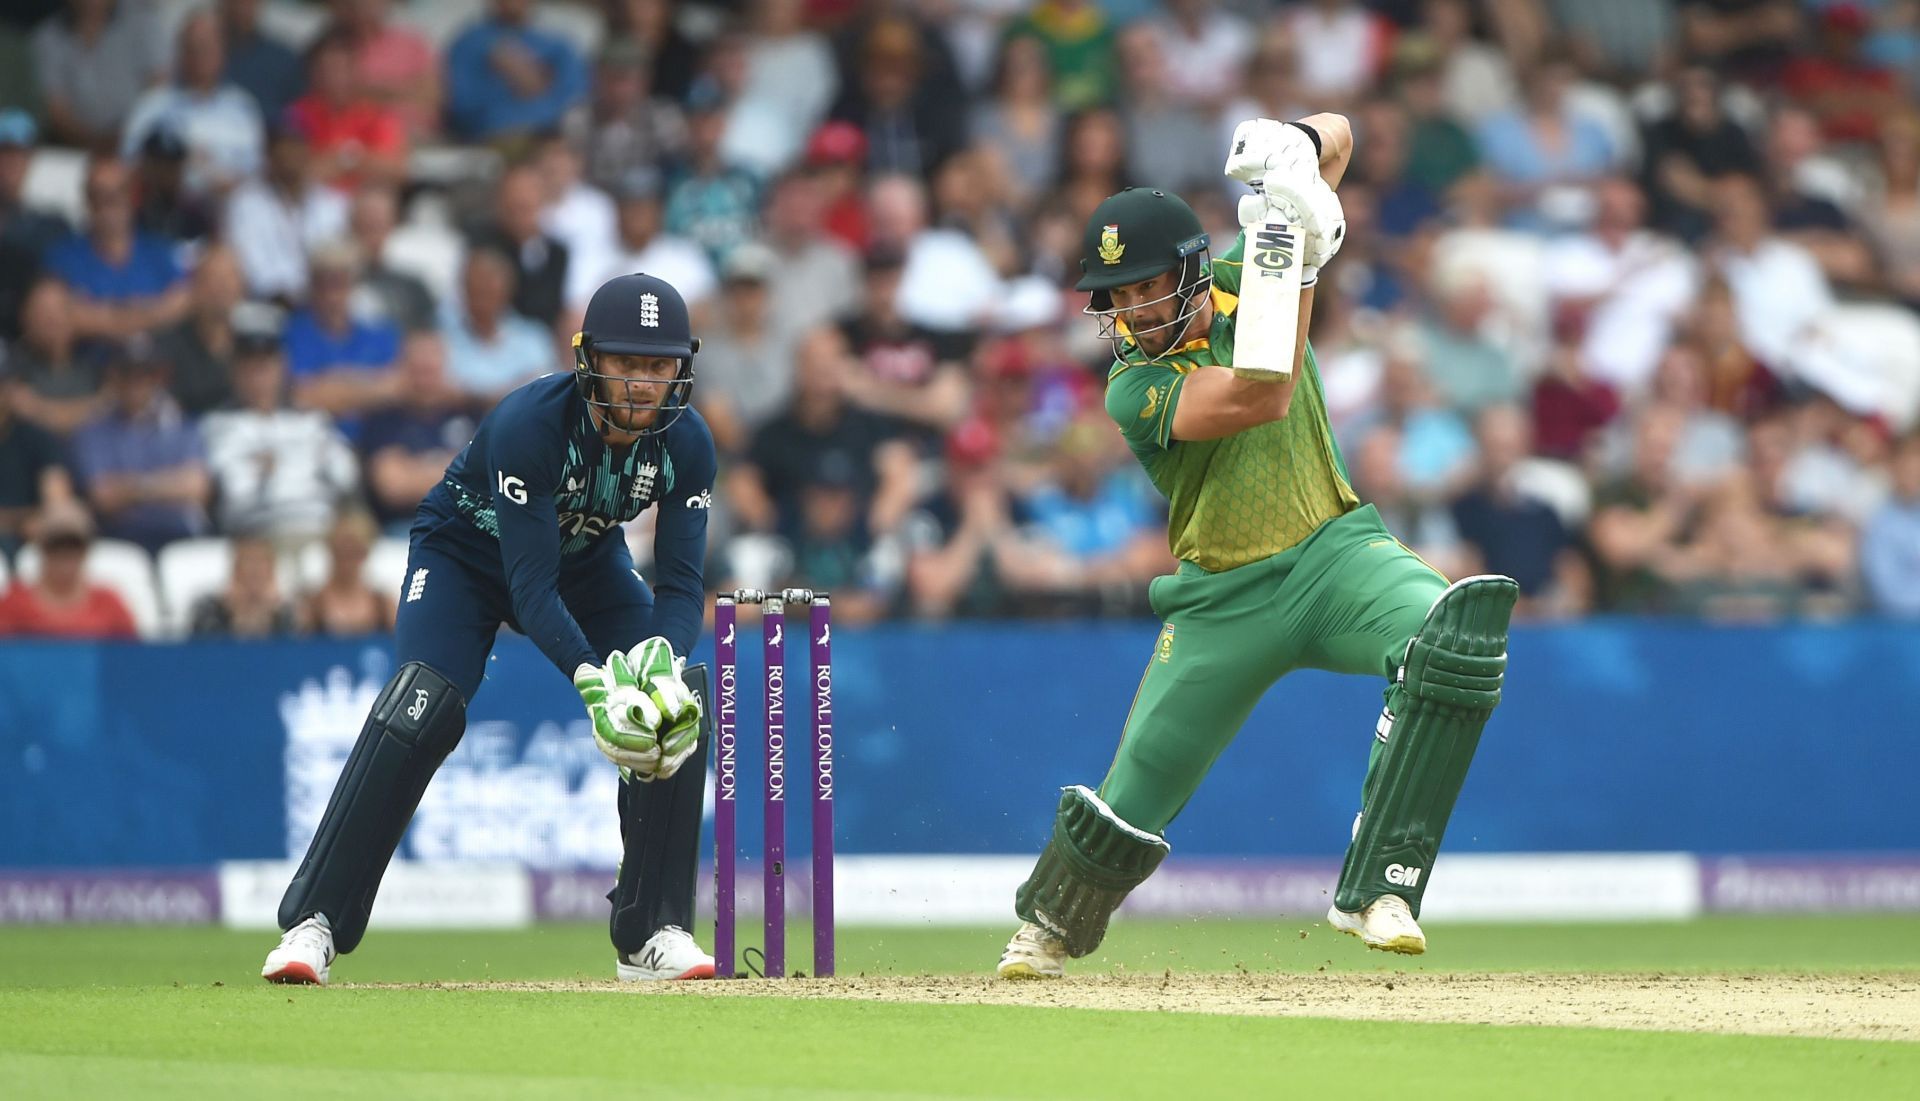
1244 497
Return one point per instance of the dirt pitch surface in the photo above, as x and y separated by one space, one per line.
1865 1007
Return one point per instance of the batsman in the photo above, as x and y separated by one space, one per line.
1280 565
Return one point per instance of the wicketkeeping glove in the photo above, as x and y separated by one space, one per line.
626 720
661 677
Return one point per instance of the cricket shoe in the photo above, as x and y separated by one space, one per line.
1386 923
305 953
668 954
1033 953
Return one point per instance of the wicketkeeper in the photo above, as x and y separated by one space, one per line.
1281 568
525 530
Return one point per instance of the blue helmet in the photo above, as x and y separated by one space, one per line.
638 315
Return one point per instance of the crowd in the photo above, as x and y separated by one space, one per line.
1626 309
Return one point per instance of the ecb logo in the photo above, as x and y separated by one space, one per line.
650 310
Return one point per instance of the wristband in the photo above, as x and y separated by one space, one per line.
1312 136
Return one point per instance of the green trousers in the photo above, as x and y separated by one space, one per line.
1346 600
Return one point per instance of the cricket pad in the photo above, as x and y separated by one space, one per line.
1447 688
1091 862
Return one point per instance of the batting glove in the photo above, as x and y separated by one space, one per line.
626 720
1312 206
1267 150
661 676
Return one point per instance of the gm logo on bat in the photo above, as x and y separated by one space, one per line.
1273 250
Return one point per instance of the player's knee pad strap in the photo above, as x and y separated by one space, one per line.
1092 861
1448 687
660 839
415 722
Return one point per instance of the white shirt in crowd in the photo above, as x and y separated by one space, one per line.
1778 289
1203 66
281 472
791 81
221 130
1642 287
271 236
585 220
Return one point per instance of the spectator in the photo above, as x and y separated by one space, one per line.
1168 138
218 123
1892 216
345 606
1777 287
951 564
1425 525
63 603
1625 40
55 381
352 137
912 123
902 370
1397 204
31 231
405 446
819 428
1079 44
491 348
200 348
1476 78
1710 445
257 63
949 285
647 28
1738 384
1686 150
1740 563
33 472
165 208
1093 161
746 367
396 296
141 461
1890 544
1439 150
1020 123
638 245
1809 193
1847 92
508 79
817 278
788 82
1096 530
1204 51
1509 533
1469 370
278 471
1570 407
1342 46
1749 40
339 363
1546 143
836 160
577 214
1621 287
1640 519
250 607
833 547
622 125
272 221
392 64
539 260
94 60
713 203
124 282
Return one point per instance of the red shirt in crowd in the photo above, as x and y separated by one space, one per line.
100 614
365 127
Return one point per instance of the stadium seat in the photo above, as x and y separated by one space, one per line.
577 23
293 23
6 572
439 20
189 570
432 253
384 572
124 567
55 183
1866 356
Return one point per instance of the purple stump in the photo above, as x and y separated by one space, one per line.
726 785
822 632
773 870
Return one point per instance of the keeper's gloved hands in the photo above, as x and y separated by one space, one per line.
626 720
661 674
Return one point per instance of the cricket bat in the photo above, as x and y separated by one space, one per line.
1269 311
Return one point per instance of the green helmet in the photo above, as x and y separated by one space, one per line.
1135 235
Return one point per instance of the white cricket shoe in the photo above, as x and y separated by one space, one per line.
305 953
1033 953
668 954
1386 924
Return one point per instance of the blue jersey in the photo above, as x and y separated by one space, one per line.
537 490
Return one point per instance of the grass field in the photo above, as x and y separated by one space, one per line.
178 1012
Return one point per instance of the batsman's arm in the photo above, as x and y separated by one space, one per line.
1214 402
1336 145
